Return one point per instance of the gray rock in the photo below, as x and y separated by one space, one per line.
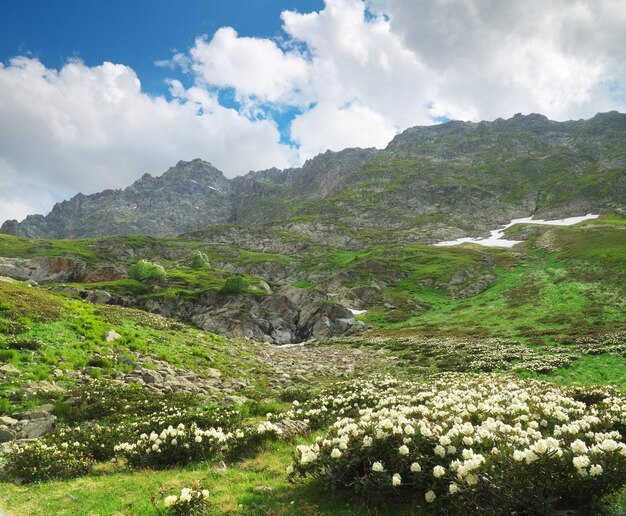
6 434
37 427
234 400
111 336
99 297
213 373
8 421
150 377
10 370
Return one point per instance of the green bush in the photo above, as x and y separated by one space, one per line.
467 444
192 501
38 461
144 270
23 343
234 285
12 327
199 260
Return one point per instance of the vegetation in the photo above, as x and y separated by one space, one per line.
526 346
144 270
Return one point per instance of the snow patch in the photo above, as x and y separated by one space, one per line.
357 312
495 239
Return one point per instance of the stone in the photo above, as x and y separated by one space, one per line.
99 297
10 370
213 373
8 421
234 400
149 376
6 434
292 428
111 336
37 427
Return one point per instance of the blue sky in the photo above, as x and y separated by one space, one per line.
137 33
253 84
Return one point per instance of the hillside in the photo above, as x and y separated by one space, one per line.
292 342
437 182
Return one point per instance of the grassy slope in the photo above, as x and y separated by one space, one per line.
565 283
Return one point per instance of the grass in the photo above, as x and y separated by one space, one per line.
589 370
240 489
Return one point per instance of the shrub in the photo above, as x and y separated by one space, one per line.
144 270
177 446
8 355
192 501
199 260
234 285
23 343
467 443
38 461
12 327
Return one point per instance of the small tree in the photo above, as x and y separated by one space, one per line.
199 260
144 270
235 285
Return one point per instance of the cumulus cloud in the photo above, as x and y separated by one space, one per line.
86 128
354 73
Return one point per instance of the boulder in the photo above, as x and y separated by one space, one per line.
99 297
150 377
8 421
6 434
111 336
37 427
10 370
213 373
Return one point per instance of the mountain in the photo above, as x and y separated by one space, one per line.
434 182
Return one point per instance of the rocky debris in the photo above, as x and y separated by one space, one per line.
9 370
292 428
31 424
7 434
111 336
290 315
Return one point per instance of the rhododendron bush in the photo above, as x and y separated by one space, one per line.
467 442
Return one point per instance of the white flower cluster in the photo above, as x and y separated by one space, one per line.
462 430
183 444
188 499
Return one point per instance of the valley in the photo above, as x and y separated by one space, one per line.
332 339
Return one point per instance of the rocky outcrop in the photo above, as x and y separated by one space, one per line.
433 183
287 316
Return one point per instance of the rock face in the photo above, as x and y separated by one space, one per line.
437 182
288 316
190 195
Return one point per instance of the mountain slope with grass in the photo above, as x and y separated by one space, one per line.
305 349
438 182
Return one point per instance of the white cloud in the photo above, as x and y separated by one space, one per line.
406 63
254 67
358 71
88 128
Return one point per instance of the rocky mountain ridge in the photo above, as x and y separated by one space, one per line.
443 181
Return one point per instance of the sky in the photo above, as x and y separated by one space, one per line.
95 94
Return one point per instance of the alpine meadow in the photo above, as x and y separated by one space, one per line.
427 318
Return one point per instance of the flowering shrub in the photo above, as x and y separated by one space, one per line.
114 402
467 442
182 445
192 501
38 461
